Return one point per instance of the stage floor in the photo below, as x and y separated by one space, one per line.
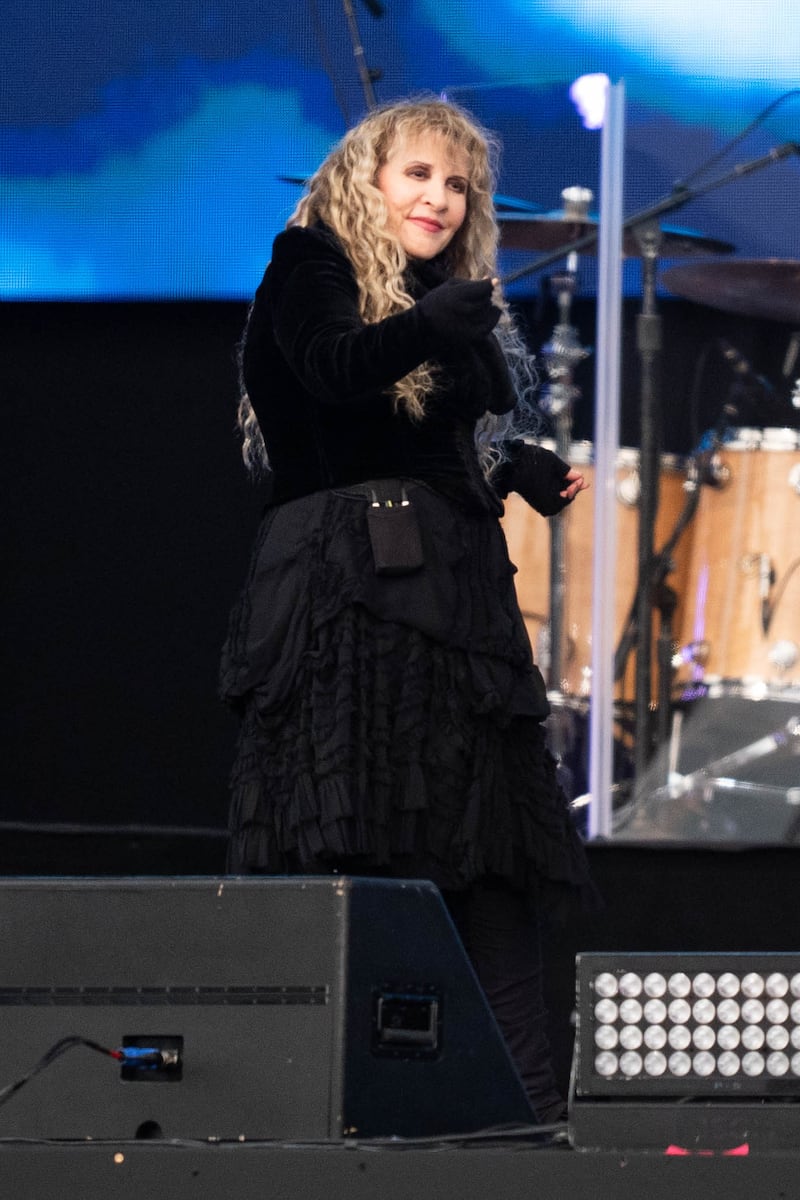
655 898
267 1171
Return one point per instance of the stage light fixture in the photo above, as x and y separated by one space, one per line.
695 1051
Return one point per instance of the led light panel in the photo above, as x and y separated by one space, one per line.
688 1024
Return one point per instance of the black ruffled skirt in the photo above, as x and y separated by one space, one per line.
390 724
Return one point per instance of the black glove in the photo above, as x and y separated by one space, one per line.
536 474
460 310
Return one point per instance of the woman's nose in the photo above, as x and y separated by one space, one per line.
436 194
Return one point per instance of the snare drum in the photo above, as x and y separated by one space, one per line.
529 547
742 611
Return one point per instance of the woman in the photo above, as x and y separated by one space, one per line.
391 713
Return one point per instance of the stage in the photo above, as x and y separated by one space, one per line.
97 758
517 1170
655 899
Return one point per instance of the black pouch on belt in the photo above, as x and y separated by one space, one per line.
393 528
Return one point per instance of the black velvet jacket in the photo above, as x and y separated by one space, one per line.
319 380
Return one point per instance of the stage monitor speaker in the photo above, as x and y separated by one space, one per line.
294 1008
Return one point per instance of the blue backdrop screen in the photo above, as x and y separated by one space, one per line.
142 147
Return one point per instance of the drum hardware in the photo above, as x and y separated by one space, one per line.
766 580
727 766
743 370
542 654
705 464
790 360
695 652
770 606
551 230
745 792
561 354
567 728
716 473
652 570
761 565
629 489
784 655
767 287
722 774
622 806
649 236
659 595
368 75
665 602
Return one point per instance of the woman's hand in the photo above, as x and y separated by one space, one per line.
460 310
575 483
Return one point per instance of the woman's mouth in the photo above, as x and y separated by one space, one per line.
427 224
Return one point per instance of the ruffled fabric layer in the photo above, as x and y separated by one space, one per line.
390 724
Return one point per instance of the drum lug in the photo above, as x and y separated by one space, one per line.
697 653
629 489
719 473
757 561
784 655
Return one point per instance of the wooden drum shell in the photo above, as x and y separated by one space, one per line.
745 550
528 538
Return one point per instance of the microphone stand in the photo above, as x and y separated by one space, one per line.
649 344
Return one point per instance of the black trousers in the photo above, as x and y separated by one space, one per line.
501 934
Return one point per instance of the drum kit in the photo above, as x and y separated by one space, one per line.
723 760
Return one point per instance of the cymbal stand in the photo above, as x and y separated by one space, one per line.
368 75
664 599
561 354
727 766
649 340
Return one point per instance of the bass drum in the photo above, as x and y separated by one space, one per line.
528 540
741 620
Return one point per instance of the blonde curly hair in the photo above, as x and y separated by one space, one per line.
343 193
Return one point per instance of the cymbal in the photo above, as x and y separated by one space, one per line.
549 230
762 287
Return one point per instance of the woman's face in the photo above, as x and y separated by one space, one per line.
425 181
